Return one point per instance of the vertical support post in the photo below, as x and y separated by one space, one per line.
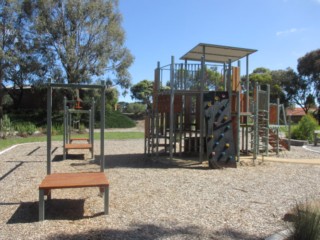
238 117
289 133
238 126
102 124
267 120
171 106
156 111
69 125
256 123
41 205
201 143
229 89
224 77
49 126
247 101
65 123
106 200
92 125
278 124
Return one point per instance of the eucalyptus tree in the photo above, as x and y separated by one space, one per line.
309 68
20 63
84 38
143 91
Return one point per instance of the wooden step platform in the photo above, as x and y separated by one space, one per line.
72 180
79 139
70 146
78 146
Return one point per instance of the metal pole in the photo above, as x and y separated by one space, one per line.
229 89
224 77
102 125
278 123
256 122
267 120
171 106
289 133
65 123
238 126
238 116
156 111
247 101
92 124
201 150
49 126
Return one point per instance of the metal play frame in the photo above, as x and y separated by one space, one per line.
73 180
67 126
216 124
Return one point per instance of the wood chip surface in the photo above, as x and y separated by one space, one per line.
150 198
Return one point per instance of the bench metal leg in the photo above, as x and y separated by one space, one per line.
65 153
41 204
106 200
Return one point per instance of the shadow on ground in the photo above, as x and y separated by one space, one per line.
138 160
56 209
152 231
59 157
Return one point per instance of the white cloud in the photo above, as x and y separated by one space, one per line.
290 31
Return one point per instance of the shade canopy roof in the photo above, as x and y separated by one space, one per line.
216 53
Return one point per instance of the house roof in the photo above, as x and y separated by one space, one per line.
297 111
216 53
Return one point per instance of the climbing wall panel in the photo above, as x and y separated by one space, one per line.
221 150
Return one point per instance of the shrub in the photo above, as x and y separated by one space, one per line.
306 222
24 129
136 108
57 129
82 128
5 126
304 129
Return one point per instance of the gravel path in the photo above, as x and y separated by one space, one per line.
151 199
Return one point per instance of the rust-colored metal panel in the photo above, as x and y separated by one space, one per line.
164 103
273 114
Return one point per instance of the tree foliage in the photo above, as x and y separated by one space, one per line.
309 68
20 62
84 38
143 91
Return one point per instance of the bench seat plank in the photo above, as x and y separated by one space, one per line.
74 180
79 139
78 146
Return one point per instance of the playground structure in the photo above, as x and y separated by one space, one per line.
69 125
73 180
216 121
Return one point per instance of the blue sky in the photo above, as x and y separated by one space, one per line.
281 30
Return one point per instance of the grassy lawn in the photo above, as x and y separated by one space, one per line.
5 143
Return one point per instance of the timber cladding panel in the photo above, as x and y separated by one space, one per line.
164 103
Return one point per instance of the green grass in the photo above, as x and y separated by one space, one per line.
5 143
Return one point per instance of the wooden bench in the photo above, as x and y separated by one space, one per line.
72 180
69 146
78 146
79 139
